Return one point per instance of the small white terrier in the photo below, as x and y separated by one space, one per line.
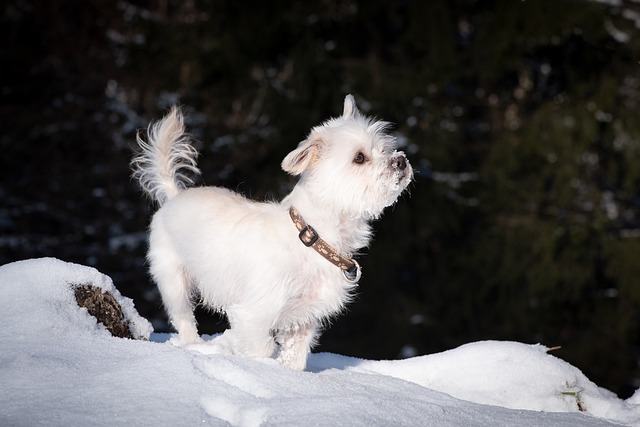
278 270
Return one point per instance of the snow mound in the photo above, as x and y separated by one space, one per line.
58 366
37 284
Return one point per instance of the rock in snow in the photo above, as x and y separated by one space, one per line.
59 366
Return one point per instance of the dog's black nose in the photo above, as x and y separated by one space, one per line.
400 163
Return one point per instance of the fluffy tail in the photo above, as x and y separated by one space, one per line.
166 159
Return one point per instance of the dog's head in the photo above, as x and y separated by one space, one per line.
351 164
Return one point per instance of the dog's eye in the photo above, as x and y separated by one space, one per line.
359 158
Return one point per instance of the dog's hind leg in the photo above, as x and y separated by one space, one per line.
175 288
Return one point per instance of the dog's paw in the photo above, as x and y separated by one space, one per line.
293 360
290 354
191 340
184 340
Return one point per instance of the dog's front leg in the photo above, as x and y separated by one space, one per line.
295 344
249 334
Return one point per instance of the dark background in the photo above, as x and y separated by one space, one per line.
520 118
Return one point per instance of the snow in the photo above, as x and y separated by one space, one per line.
59 366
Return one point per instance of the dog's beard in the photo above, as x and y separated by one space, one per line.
386 187
395 184
363 197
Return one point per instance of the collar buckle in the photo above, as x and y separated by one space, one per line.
308 235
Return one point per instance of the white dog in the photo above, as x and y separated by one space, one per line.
278 270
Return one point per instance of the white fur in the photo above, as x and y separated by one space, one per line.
244 258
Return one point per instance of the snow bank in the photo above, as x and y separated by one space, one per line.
507 374
58 366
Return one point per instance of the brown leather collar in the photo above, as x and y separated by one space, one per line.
310 238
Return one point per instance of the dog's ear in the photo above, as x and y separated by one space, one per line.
299 159
350 108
